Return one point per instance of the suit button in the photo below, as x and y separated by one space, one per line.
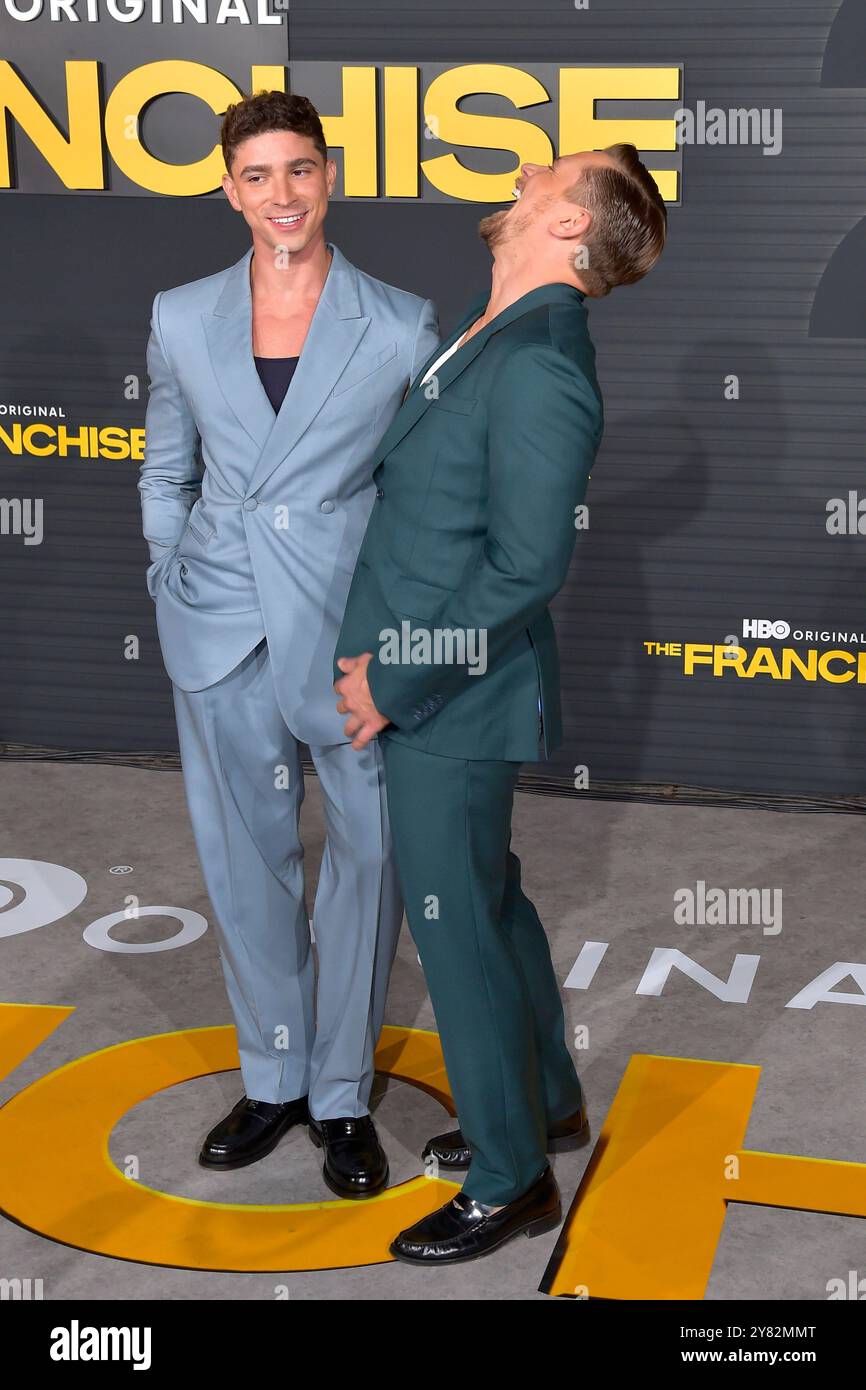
380 493
250 504
326 507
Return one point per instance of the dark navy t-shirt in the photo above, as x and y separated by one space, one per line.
275 374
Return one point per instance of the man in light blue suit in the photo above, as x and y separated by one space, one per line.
284 370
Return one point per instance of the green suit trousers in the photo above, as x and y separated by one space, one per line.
486 960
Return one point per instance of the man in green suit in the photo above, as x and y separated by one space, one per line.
448 650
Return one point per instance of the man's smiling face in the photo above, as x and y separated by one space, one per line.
280 184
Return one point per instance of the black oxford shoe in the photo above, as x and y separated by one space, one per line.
465 1229
451 1150
355 1163
250 1130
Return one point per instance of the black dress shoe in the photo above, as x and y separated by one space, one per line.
465 1229
355 1163
451 1150
250 1130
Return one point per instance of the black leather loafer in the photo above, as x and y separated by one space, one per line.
250 1131
465 1229
451 1150
355 1162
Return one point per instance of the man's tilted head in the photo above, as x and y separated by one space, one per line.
595 218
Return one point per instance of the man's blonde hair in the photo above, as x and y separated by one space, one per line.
629 221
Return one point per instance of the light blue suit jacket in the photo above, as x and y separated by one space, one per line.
268 548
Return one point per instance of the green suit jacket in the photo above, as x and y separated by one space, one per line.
472 532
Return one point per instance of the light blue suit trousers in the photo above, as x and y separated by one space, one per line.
244 786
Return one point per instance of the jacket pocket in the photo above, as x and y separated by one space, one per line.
415 597
360 368
457 405
202 530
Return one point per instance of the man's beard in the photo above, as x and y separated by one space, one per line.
491 229
508 223
502 226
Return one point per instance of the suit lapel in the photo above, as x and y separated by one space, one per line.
336 329
230 343
417 400
469 318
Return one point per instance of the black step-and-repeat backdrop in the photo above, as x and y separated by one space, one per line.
713 629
